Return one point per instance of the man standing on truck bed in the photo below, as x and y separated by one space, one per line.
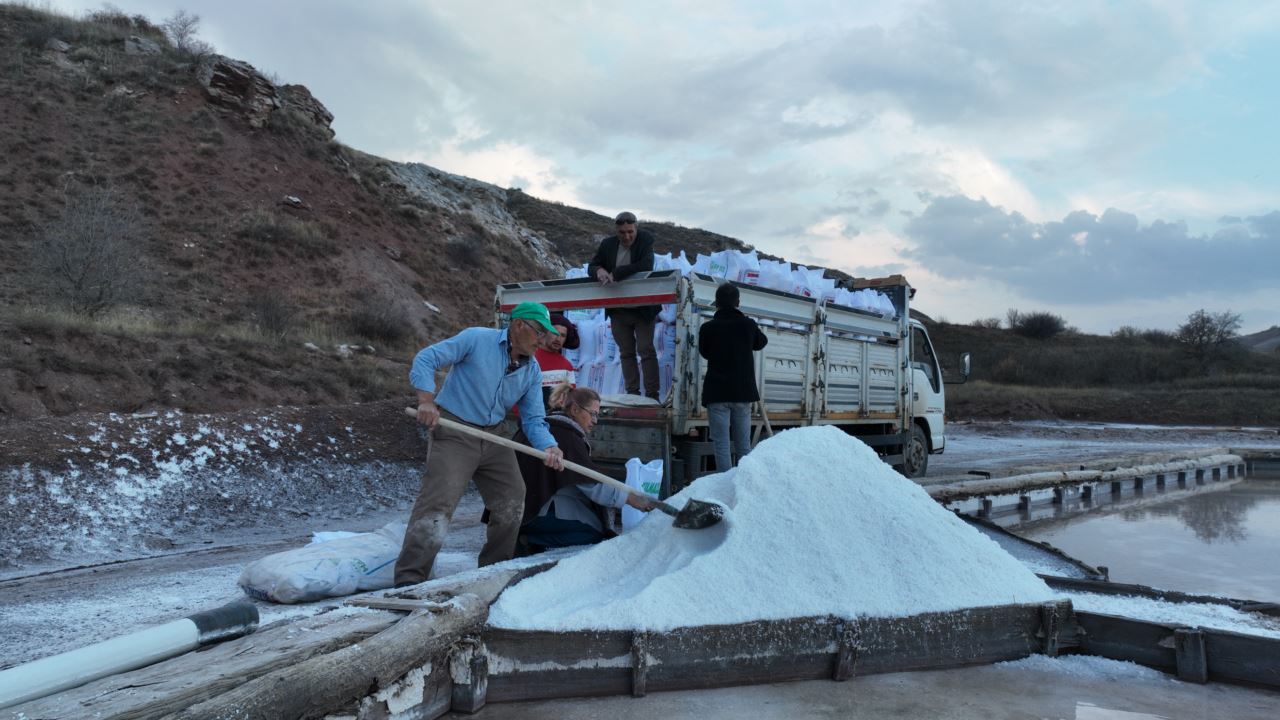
627 252
491 371
728 342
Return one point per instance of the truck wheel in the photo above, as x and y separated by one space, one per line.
915 455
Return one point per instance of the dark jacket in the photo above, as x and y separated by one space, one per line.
727 341
641 261
541 482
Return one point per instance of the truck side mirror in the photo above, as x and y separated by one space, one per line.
961 374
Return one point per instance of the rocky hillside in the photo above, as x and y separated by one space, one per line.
255 261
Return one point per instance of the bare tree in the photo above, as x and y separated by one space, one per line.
181 29
91 254
1204 332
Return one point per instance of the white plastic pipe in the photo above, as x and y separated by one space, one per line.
56 673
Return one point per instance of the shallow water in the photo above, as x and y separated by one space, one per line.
1219 543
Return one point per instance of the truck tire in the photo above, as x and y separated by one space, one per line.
915 456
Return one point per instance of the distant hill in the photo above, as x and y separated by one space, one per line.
1265 341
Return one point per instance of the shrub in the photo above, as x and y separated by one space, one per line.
272 315
38 34
91 253
264 233
380 319
991 323
465 251
1036 325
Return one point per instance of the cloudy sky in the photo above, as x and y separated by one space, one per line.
1114 162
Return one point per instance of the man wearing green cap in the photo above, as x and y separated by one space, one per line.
492 370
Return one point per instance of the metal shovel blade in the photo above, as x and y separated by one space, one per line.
696 515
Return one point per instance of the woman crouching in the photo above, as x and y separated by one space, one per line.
561 507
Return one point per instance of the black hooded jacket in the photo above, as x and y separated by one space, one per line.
727 342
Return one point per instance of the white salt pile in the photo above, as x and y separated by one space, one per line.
818 525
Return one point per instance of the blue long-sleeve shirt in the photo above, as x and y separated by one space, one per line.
479 389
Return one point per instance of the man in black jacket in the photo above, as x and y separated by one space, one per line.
727 342
620 256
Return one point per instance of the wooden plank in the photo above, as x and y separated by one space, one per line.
1050 627
331 682
415 697
1189 652
937 640
847 651
1235 657
745 653
639 664
549 684
527 665
396 604
486 583
469 669
714 656
169 686
1107 587
1120 638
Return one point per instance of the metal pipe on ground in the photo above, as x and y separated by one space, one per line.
56 673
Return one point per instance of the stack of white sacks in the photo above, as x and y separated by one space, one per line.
596 359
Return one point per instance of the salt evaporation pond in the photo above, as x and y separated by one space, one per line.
818 525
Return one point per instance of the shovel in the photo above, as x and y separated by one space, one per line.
696 515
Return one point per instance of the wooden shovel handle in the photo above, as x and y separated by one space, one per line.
520 447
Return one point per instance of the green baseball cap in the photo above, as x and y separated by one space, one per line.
536 312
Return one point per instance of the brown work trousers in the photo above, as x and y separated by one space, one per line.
633 332
454 459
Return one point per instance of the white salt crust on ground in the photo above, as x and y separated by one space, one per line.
1084 667
818 525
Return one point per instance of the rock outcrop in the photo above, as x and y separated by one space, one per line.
236 86
486 204
299 99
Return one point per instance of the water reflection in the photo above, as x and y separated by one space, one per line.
1219 541
1213 517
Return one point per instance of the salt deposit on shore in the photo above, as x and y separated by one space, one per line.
818 525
